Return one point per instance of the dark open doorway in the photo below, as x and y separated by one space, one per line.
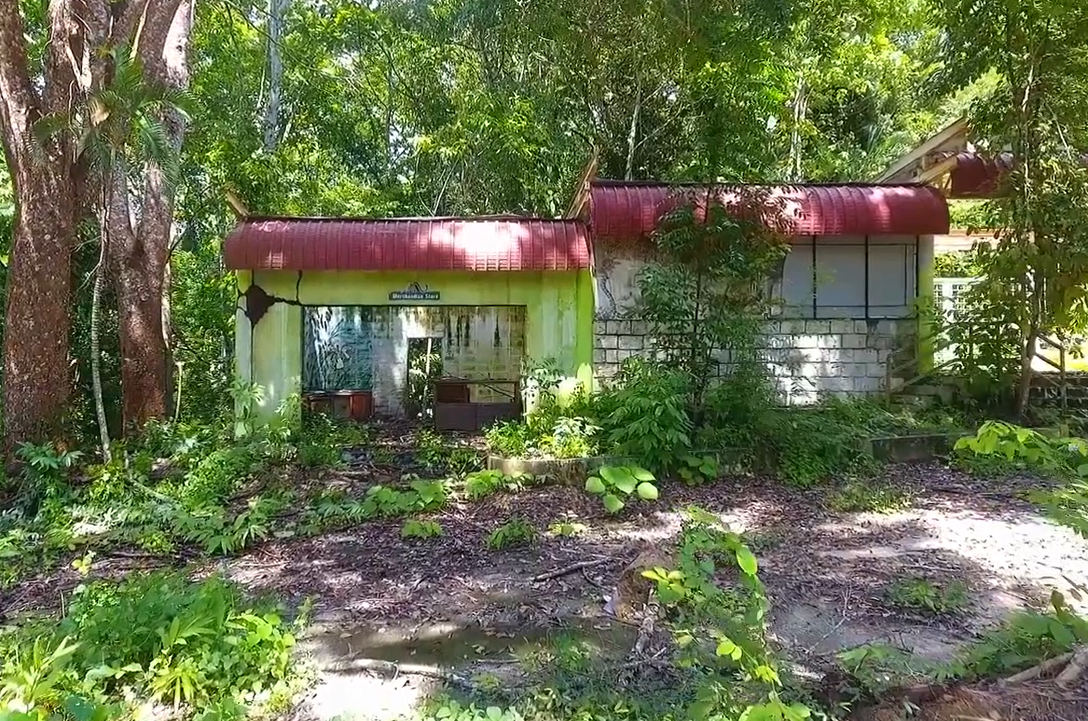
424 367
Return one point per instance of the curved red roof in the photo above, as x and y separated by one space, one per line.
630 211
407 244
978 176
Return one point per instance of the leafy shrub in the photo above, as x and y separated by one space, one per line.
420 529
694 470
516 532
511 439
1023 448
810 445
722 632
647 416
187 644
319 455
482 484
613 482
566 529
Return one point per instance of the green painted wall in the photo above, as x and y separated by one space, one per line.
558 323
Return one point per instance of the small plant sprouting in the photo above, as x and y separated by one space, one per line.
861 497
516 532
482 484
614 483
696 470
566 529
920 594
421 529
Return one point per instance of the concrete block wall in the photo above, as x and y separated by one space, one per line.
805 357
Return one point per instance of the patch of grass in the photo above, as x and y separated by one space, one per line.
515 532
865 497
764 539
920 594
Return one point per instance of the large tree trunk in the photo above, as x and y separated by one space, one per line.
139 262
141 257
37 375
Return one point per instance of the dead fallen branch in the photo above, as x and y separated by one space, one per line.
567 570
1072 673
1040 670
392 670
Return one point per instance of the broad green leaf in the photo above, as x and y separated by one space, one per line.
647 491
595 485
641 474
746 560
612 503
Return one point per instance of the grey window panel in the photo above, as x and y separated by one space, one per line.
891 269
796 288
840 277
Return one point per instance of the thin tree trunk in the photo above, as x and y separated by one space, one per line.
800 111
632 134
96 363
277 10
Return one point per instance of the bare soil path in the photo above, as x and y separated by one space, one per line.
452 603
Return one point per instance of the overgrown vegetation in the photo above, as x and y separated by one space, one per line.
1001 445
193 647
701 397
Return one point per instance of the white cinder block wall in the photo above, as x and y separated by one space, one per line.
847 312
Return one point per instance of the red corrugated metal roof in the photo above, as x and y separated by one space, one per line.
631 211
979 176
407 244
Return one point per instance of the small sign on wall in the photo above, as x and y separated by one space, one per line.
414 291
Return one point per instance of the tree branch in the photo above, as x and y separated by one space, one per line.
19 103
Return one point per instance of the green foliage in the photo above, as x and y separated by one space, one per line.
956 264
554 427
181 643
645 413
861 497
721 632
319 455
515 532
1017 447
920 594
1035 274
695 470
615 483
566 529
420 529
481 484
436 453
709 290
1027 638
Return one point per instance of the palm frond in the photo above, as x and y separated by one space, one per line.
49 126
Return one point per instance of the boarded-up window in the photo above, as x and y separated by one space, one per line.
891 280
840 281
797 284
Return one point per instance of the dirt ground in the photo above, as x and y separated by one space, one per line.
450 602
451 605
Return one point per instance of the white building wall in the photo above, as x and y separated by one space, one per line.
846 310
